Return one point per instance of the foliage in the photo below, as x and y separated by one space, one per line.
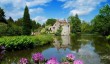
86 27
34 26
58 33
2 16
38 25
10 20
75 24
27 24
43 25
19 22
50 22
24 42
101 22
3 29
12 28
108 37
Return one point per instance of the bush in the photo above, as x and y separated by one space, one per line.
38 58
58 33
24 42
108 37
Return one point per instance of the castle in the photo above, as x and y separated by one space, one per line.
60 23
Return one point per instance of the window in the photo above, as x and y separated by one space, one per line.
53 27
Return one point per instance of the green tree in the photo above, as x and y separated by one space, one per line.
12 28
43 25
19 22
101 22
86 27
50 21
2 16
75 24
27 24
35 25
38 25
10 20
3 29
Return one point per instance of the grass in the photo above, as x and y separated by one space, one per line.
24 42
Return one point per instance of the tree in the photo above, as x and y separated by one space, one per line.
38 25
27 24
19 22
101 22
43 25
2 16
3 29
10 20
35 25
86 27
75 24
50 21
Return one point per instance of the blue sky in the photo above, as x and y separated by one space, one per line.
41 10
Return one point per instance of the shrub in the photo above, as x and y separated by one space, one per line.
108 37
24 42
39 57
58 33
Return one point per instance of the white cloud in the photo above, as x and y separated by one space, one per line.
17 7
36 10
15 14
40 19
81 7
37 2
62 0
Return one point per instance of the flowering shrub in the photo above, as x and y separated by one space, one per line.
52 61
24 61
38 57
70 57
78 62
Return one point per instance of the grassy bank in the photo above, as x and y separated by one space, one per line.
24 42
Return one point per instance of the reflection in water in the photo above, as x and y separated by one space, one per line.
63 44
65 41
2 52
13 57
90 48
87 53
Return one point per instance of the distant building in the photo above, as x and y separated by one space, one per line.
60 23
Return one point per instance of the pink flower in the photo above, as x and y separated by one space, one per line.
78 62
52 61
65 63
37 57
70 57
23 61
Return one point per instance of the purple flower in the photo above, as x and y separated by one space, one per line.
52 61
65 63
23 61
70 57
37 57
78 62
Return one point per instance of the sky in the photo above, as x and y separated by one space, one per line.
41 10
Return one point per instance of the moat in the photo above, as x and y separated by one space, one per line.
92 49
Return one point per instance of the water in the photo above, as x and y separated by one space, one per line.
92 49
